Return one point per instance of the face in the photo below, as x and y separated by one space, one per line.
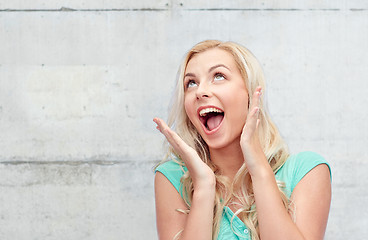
215 98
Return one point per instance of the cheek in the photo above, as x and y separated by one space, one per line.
245 109
243 100
189 109
239 108
245 106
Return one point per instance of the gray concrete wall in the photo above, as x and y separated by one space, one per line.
80 82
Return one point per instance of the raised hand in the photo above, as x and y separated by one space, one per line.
201 174
249 141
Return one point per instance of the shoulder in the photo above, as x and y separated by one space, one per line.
168 201
173 170
311 194
297 166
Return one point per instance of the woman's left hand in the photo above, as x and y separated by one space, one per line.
252 150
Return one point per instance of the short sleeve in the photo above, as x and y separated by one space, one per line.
173 171
296 167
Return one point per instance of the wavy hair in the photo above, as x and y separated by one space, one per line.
272 143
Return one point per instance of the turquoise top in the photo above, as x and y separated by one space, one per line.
294 169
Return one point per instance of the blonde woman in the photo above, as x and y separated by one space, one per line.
229 173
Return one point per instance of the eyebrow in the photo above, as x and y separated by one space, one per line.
217 66
189 75
209 70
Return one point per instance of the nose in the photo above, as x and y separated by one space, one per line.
203 91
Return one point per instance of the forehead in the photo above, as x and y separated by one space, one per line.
210 58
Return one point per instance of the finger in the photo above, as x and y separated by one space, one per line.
160 124
252 122
163 127
256 98
172 137
196 167
253 113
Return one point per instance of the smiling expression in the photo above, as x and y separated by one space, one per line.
215 98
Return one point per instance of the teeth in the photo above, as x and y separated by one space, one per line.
204 111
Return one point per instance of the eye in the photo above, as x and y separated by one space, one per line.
219 77
190 83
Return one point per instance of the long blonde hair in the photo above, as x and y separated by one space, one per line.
273 145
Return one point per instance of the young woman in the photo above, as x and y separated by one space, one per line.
230 175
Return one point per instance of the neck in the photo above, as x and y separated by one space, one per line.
228 159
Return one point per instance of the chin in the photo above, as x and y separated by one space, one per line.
222 142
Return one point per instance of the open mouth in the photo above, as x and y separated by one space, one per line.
211 117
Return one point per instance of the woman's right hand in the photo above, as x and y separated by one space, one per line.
197 224
201 174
